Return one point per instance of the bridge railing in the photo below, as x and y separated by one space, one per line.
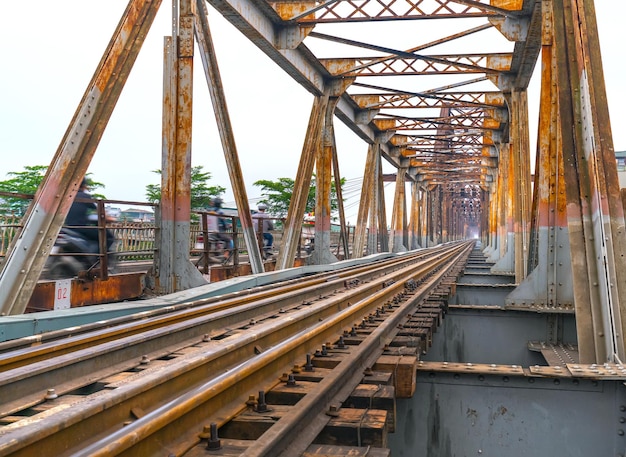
135 239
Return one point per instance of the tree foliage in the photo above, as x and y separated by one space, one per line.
27 182
201 192
278 194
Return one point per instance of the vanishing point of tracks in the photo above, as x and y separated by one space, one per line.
162 383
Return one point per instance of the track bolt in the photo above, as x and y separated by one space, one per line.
214 442
251 401
353 331
206 338
368 371
145 360
324 350
261 406
341 344
308 366
51 394
291 380
333 411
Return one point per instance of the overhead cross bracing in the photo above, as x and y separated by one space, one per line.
423 82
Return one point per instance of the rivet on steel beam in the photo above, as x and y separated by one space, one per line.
214 442
308 366
51 394
620 432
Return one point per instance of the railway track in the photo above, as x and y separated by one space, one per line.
170 382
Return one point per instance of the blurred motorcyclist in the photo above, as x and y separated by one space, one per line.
264 225
82 216
223 225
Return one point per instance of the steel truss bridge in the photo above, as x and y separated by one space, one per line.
529 354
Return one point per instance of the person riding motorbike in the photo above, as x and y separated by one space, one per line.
264 225
222 225
78 236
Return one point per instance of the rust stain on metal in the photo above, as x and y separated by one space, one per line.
120 287
495 99
383 124
289 10
338 66
118 44
500 62
511 5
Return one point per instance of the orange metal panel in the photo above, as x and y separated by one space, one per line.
126 286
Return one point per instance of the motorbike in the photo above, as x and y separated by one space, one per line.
216 250
72 254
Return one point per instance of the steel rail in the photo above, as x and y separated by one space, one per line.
134 438
29 350
243 296
78 361
338 385
109 406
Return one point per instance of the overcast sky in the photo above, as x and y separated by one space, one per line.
49 55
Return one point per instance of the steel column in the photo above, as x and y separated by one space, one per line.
297 206
549 283
46 214
505 263
373 236
414 220
383 233
397 216
518 102
323 179
360 230
344 241
216 89
594 211
173 269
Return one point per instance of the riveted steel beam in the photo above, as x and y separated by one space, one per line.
594 211
173 270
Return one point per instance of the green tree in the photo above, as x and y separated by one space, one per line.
26 183
277 195
201 192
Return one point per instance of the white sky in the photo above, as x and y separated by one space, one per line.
49 55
